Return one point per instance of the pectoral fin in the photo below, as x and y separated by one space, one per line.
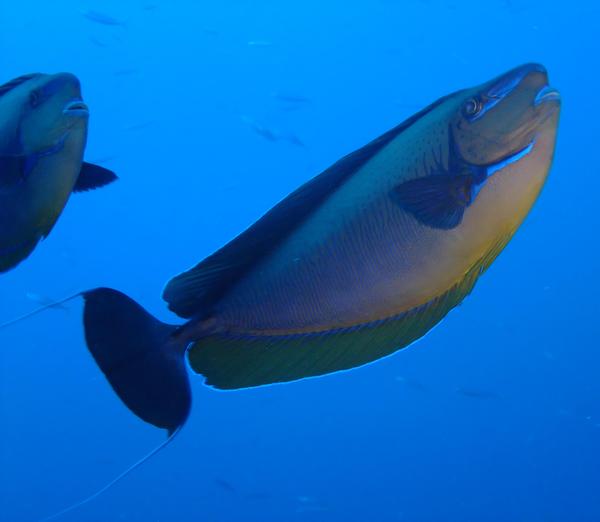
93 177
438 200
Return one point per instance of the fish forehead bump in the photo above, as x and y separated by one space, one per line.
510 79
21 86
62 85
450 106
52 103
66 79
16 90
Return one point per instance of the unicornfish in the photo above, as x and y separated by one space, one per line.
43 132
357 263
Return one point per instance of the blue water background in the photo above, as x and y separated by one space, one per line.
493 417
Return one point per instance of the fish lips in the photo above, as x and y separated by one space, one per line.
546 94
76 108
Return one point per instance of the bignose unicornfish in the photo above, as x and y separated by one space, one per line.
355 264
43 132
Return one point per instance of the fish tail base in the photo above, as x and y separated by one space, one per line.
139 356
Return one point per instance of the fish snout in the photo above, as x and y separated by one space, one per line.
71 85
535 78
528 86
534 75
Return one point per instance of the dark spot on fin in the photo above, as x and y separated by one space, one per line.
136 353
438 201
9 86
92 177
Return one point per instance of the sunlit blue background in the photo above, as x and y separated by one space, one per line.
494 416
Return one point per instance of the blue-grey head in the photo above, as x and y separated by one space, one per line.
40 112
502 117
496 143
503 134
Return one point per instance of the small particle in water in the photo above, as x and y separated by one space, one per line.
259 43
102 18
45 301
125 72
297 99
139 126
475 393
225 485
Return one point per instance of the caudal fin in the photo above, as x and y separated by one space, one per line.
137 353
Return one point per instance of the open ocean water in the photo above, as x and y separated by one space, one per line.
210 112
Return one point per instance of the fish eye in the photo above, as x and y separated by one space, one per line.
472 107
34 98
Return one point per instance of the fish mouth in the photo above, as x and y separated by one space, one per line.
546 94
76 108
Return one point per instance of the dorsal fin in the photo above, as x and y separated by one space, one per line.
10 85
194 291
